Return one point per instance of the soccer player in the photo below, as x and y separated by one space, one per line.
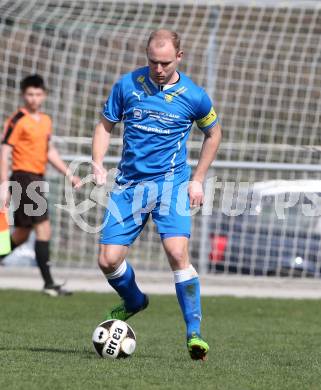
27 138
158 105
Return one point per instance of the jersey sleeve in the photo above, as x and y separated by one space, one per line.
205 115
12 130
114 108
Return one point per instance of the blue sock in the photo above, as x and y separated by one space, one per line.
188 294
123 281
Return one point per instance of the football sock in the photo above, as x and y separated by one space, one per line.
123 281
42 258
188 294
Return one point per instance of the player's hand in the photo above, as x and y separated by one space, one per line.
196 193
75 181
100 174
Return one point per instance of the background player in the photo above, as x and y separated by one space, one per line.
158 105
27 136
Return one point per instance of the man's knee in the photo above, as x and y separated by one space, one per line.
178 257
43 230
110 257
20 235
177 252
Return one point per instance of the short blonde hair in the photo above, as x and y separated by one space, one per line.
162 34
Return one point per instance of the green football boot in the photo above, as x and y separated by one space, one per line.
197 347
119 312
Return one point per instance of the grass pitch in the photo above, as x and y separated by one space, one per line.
259 344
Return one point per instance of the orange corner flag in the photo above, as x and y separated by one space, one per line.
5 245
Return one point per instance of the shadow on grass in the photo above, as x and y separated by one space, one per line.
85 353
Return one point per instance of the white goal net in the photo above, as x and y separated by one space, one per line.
261 63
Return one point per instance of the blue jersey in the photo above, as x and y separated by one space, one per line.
157 123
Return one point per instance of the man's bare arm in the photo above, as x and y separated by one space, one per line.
57 162
208 152
100 145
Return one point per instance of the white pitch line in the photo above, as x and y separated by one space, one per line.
91 280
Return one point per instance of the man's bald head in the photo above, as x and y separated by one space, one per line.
160 38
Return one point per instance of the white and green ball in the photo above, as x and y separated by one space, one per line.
114 339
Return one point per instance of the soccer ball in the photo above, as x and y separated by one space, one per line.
114 339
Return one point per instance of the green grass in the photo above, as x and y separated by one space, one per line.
259 344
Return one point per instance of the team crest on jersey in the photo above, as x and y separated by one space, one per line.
141 79
138 114
170 96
